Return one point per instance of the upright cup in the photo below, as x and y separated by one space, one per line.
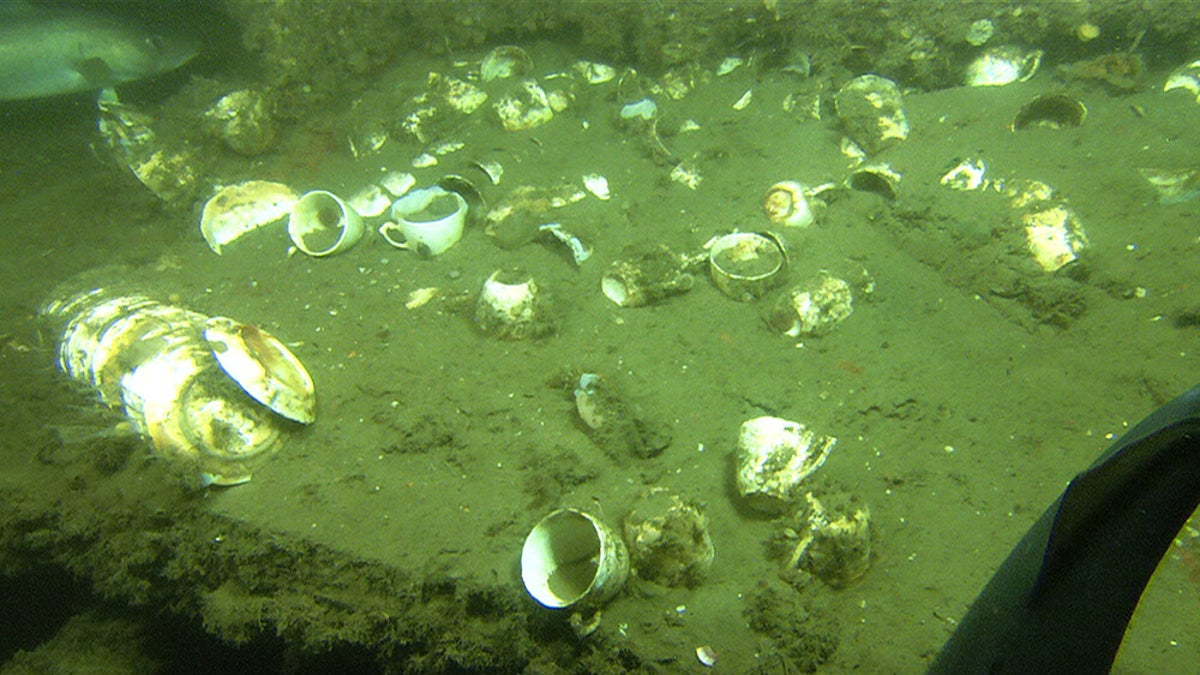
322 224
747 265
428 221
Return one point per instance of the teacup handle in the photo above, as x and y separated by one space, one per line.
389 230
419 247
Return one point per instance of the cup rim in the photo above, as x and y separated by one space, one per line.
422 198
726 241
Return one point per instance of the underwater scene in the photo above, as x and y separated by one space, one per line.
599 336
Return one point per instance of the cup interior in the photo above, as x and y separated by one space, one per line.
321 224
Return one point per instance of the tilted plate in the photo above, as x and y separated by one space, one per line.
263 367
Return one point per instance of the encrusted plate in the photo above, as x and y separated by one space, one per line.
244 207
263 367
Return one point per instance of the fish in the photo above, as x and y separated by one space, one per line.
1062 599
48 51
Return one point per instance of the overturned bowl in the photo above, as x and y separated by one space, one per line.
511 307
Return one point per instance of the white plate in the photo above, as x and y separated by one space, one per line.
263 367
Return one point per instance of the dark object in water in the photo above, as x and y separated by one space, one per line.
1121 72
46 52
1187 318
1062 599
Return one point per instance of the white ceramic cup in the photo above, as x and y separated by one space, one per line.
322 224
428 221
572 558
